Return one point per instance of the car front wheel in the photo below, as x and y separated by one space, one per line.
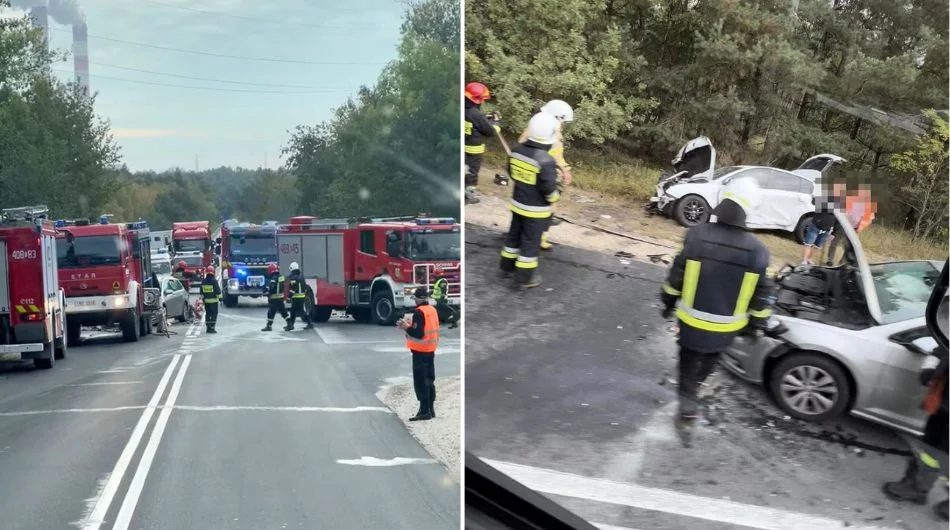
691 210
810 387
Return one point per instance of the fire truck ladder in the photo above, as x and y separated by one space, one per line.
24 214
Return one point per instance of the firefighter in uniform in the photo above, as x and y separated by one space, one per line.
534 172
210 295
440 293
564 114
422 339
477 129
298 294
719 288
275 295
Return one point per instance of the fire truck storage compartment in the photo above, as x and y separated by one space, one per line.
319 255
4 281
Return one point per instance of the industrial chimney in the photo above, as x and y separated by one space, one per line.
40 20
81 57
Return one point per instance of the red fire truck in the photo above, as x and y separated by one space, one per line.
31 308
246 249
370 267
103 268
191 243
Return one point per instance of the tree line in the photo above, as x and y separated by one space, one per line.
769 81
391 150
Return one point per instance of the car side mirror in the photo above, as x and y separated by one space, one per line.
916 340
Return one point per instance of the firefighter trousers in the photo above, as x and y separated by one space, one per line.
423 380
274 307
297 310
473 164
446 312
694 368
522 246
211 315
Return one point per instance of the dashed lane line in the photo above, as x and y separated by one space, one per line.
199 408
656 499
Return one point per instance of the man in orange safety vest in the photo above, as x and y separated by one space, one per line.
422 339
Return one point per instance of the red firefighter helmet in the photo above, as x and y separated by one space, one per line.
272 268
209 270
477 93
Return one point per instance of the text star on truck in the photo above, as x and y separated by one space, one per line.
103 268
246 249
370 267
191 243
32 325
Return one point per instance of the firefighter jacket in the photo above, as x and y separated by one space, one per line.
275 287
535 174
423 336
210 290
477 129
298 288
440 289
719 286
556 151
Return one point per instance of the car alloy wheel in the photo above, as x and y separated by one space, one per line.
809 390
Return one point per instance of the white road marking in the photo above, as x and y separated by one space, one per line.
441 350
669 501
148 456
372 461
611 527
109 383
627 465
113 371
284 409
102 505
91 502
63 411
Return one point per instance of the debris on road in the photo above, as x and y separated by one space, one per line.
439 436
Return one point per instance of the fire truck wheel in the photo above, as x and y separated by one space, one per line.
361 314
59 348
73 332
230 300
384 309
146 325
321 313
130 327
46 364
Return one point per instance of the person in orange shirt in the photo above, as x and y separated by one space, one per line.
860 209
422 339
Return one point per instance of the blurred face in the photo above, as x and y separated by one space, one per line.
839 188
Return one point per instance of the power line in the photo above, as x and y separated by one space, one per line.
215 89
228 56
272 21
246 83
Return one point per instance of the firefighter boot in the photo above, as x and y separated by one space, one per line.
432 407
940 510
309 325
533 280
910 488
545 244
684 425
208 327
422 415
268 326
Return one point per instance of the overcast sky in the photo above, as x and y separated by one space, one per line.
245 119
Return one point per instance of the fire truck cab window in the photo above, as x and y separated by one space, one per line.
263 246
368 242
435 246
88 250
394 244
191 245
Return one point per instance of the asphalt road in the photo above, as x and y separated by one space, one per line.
570 388
241 430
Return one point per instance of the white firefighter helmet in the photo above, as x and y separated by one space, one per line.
559 109
294 266
543 128
743 191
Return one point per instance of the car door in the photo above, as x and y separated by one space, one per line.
175 297
787 198
761 175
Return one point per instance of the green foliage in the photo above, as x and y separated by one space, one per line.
394 149
925 190
646 76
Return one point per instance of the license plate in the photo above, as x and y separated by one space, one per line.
255 281
84 303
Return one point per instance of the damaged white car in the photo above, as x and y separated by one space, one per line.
695 187
851 338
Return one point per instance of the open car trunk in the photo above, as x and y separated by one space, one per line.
842 296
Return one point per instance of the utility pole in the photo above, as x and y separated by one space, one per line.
196 163
265 161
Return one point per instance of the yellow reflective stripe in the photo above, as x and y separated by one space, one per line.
522 264
738 199
705 325
20 309
553 197
469 127
668 289
34 309
533 214
929 461
497 128
765 313
276 296
475 149
207 288
749 281
510 253
690 281
299 295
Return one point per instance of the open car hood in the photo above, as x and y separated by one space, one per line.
855 257
692 145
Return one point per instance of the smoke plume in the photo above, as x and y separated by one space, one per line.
66 12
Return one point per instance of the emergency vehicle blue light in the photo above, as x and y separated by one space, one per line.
242 272
103 219
435 220
60 223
